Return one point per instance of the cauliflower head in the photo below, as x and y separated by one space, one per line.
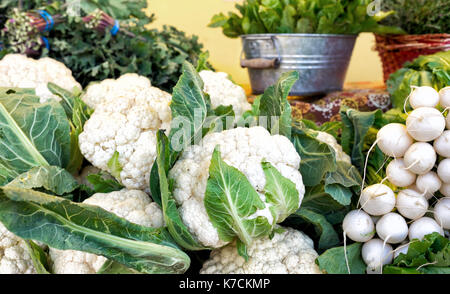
133 205
19 71
126 121
331 141
106 90
288 252
14 256
222 91
242 148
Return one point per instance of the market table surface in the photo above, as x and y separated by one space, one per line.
364 96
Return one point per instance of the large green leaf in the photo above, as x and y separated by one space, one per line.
190 107
356 126
317 158
328 236
160 186
275 107
333 260
280 192
31 134
231 202
52 178
66 225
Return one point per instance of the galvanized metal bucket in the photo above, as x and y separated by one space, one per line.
321 60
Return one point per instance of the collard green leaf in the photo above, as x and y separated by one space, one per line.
231 203
275 107
317 158
280 192
66 225
52 178
31 134
356 124
328 236
333 261
172 218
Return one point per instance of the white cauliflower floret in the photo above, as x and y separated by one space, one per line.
19 71
222 91
126 120
331 141
133 205
106 90
288 252
242 148
14 256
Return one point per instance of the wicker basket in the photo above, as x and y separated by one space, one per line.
395 50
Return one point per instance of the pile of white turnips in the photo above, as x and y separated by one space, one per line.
419 169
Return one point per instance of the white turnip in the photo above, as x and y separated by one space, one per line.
411 204
422 227
442 144
358 226
376 254
392 228
425 124
445 190
420 158
428 184
398 175
424 96
444 97
442 212
443 170
393 139
377 199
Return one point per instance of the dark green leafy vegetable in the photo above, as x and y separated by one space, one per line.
328 236
426 70
333 261
64 225
92 55
31 134
418 16
301 16
431 255
331 185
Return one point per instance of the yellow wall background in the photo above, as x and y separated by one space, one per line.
193 16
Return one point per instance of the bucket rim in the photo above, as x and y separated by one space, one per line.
349 36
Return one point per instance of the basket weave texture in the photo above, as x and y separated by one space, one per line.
395 50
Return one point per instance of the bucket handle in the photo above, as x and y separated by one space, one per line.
263 63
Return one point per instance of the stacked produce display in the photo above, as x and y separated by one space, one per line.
164 166
420 151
